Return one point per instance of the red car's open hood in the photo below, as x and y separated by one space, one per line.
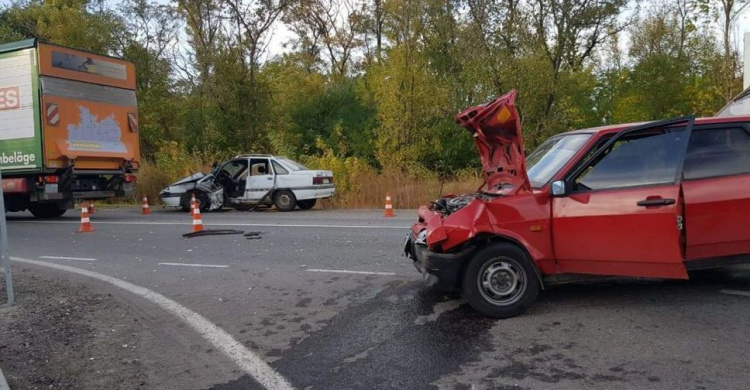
496 128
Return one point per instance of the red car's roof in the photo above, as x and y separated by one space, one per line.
621 126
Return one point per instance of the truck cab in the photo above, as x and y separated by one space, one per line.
650 200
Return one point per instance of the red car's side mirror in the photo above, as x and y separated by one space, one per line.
558 189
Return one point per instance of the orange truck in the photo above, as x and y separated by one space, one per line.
68 127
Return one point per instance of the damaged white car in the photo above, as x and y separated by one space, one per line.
247 181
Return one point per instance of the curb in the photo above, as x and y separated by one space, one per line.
3 383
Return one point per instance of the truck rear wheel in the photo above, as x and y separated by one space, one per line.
46 210
500 281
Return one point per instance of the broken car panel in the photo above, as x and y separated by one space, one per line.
636 200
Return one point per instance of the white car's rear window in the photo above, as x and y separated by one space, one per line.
293 165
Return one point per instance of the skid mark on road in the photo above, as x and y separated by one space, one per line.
145 223
67 258
343 271
248 361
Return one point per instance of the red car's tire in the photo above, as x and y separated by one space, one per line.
500 281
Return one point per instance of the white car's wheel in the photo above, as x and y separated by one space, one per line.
284 200
200 197
307 204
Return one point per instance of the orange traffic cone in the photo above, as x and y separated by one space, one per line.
144 208
388 206
197 221
92 208
85 221
193 204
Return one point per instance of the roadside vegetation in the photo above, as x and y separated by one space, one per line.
368 88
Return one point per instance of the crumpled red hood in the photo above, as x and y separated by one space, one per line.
496 128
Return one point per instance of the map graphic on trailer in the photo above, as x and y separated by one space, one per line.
94 135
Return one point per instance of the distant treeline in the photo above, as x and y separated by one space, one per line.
376 83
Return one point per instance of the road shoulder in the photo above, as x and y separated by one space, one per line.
66 333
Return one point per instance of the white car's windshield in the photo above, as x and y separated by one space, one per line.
293 165
551 156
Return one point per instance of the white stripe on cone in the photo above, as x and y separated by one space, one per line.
197 222
85 220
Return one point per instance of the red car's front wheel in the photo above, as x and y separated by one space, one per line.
500 281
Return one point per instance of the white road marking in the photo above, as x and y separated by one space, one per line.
341 271
736 292
67 258
196 265
248 361
220 224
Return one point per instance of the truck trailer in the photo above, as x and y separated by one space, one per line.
68 127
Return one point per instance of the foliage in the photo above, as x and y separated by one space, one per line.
370 87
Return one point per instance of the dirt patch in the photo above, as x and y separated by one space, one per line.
63 335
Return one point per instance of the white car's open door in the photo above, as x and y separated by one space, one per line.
259 180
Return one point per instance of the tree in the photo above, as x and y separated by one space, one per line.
327 26
65 22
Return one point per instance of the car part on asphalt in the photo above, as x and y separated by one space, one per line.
212 232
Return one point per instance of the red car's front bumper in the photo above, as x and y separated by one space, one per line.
440 270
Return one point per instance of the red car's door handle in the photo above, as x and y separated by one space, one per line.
656 202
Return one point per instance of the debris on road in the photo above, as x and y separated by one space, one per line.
253 235
212 232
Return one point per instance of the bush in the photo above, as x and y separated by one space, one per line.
359 185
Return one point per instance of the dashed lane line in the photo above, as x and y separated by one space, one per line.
736 292
67 258
247 360
343 271
196 265
322 226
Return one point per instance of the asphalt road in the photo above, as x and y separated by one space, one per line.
380 329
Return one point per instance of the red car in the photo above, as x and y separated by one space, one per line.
650 200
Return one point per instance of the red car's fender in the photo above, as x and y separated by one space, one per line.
524 219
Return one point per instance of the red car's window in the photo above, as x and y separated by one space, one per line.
718 152
635 161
